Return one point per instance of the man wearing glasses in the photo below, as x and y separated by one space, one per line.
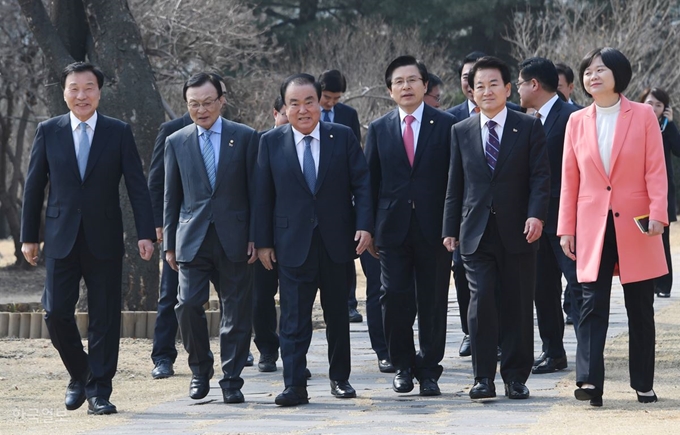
207 232
407 152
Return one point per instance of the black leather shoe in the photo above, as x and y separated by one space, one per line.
200 385
516 390
100 406
292 396
267 362
342 390
484 388
596 401
250 360
569 321
355 316
464 349
233 395
646 399
403 381
540 358
162 370
75 395
308 374
429 387
385 366
587 393
550 365
663 295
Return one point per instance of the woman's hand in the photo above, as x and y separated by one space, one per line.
668 113
655 228
568 245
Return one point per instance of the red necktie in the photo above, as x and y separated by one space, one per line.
408 138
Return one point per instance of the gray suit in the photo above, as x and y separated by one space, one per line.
209 232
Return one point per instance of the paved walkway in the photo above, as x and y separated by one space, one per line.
377 408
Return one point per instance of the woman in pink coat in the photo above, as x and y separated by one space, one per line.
613 171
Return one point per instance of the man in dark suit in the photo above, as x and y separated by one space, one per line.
164 353
496 202
207 233
83 155
462 111
407 152
537 88
566 82
308 172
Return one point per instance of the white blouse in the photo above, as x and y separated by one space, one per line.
606 125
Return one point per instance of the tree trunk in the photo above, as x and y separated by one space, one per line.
109 37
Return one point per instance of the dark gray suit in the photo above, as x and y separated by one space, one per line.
209 232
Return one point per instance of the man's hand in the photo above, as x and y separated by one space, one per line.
568 245
31 251
450 243
267 257
655 228
365 240
533 228
145 249
252 252
170 258
373 250
159 235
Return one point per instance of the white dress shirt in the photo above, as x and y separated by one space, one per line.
299 140
215 139
415 125
546 108
500 121
75 129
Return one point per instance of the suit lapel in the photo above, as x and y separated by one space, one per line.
193 149
426 126
510 132
476 147
552 117
325 152
622 125
590 127
394 130
290 154
65 141
227 144
99 141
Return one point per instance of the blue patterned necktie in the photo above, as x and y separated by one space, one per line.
308 166
209 157
83 149
326 115
493 145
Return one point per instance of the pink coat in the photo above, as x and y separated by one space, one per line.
636 185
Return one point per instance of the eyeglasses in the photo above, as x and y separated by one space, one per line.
399 83
437 98
518 84
206 104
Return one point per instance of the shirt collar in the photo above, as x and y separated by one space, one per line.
471 107
547 107
215 128
498 119
75 122
297 136
417 114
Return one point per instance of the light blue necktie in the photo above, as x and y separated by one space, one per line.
83 149
209 157
308 166
326 115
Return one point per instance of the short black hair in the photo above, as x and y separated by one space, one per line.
405 61
615 61
470 58
200 79
300 79
433 81
489 62
566 71
77 67
657 93
278 104
333 81
542 70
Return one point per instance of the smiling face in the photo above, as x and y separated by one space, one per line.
204 104
82 94
302 107
408 88
490 92
598 80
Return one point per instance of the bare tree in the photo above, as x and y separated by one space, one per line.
646 31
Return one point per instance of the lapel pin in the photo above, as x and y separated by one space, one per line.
431 121
331 136
514 130
231 142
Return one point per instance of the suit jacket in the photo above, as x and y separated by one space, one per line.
554 127
636 185
286 208
157 167
519 187
190 203
346 115
461 110
396 186
671 145
92 201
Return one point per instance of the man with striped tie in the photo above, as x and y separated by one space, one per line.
208 234
496 202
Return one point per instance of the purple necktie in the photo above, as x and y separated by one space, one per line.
492 146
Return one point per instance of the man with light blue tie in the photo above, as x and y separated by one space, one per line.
208 234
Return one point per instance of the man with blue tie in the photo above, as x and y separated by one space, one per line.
208 233
308 173
82 156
